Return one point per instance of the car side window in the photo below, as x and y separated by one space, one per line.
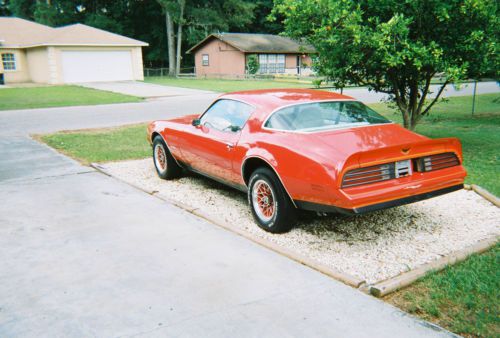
226 115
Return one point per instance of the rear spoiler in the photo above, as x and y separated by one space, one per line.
403 152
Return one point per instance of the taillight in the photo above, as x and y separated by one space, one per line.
436 162
387 171
367 175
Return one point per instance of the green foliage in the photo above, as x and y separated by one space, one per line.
252 64
46 14
463 298
261 23
397 47
58 96
4 8
317 83
21 8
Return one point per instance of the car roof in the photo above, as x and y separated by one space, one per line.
269 100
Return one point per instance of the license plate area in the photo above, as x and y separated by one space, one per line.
403 168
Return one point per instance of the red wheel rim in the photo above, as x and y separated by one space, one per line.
263 200
160 158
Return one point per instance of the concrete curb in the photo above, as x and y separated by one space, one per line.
393 284
486 195
335 274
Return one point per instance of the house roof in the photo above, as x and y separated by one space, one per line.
258 43
20 33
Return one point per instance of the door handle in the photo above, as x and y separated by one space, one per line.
229 146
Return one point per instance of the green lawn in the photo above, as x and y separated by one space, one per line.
223 86
463 298
58 96
102 145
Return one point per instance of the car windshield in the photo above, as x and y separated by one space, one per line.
310 117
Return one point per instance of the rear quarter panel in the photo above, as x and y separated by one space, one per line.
303 175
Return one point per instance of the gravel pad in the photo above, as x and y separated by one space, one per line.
372 247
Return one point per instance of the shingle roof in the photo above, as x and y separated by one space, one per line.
19 33
258 43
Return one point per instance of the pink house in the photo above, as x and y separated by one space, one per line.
227 54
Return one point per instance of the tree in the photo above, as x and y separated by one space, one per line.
21 8
4 8
260 22
252 64
201 18
397 47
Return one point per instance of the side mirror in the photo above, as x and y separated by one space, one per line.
196 122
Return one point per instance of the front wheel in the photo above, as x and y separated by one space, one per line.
165 164
271 207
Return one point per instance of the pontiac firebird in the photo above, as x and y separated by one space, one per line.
292 149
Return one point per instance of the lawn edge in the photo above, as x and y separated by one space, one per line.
405 279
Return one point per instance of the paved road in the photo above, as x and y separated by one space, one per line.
467 89
85 255
20 122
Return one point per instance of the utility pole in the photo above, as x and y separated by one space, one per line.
474 98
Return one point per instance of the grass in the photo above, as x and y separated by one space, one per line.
102 145
58 96
480 134
463 298
224 86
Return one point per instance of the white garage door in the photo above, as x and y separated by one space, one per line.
94 66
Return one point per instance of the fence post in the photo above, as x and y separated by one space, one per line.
474 98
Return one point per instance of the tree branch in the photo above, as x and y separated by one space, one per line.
426 111
425 91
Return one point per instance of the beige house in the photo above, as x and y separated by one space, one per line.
31 52
227 54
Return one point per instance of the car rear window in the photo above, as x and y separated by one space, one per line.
317 116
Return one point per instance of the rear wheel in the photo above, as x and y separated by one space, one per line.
271 207
165 164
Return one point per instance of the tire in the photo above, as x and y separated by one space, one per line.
165 164
271 207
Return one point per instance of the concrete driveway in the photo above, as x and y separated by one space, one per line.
82 254
143 89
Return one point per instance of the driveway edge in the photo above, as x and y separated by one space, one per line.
333 273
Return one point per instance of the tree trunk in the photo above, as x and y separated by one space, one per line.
182 4
170 43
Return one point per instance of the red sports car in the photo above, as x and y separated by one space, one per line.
295 149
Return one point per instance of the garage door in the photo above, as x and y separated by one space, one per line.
94 66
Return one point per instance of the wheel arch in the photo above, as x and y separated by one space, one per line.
154 134
252 163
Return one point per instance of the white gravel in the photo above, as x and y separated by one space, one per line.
372 247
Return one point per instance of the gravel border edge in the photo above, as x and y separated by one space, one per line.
390 285
486 195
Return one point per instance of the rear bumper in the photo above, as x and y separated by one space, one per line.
378 206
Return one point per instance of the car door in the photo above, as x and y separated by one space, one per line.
211 143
